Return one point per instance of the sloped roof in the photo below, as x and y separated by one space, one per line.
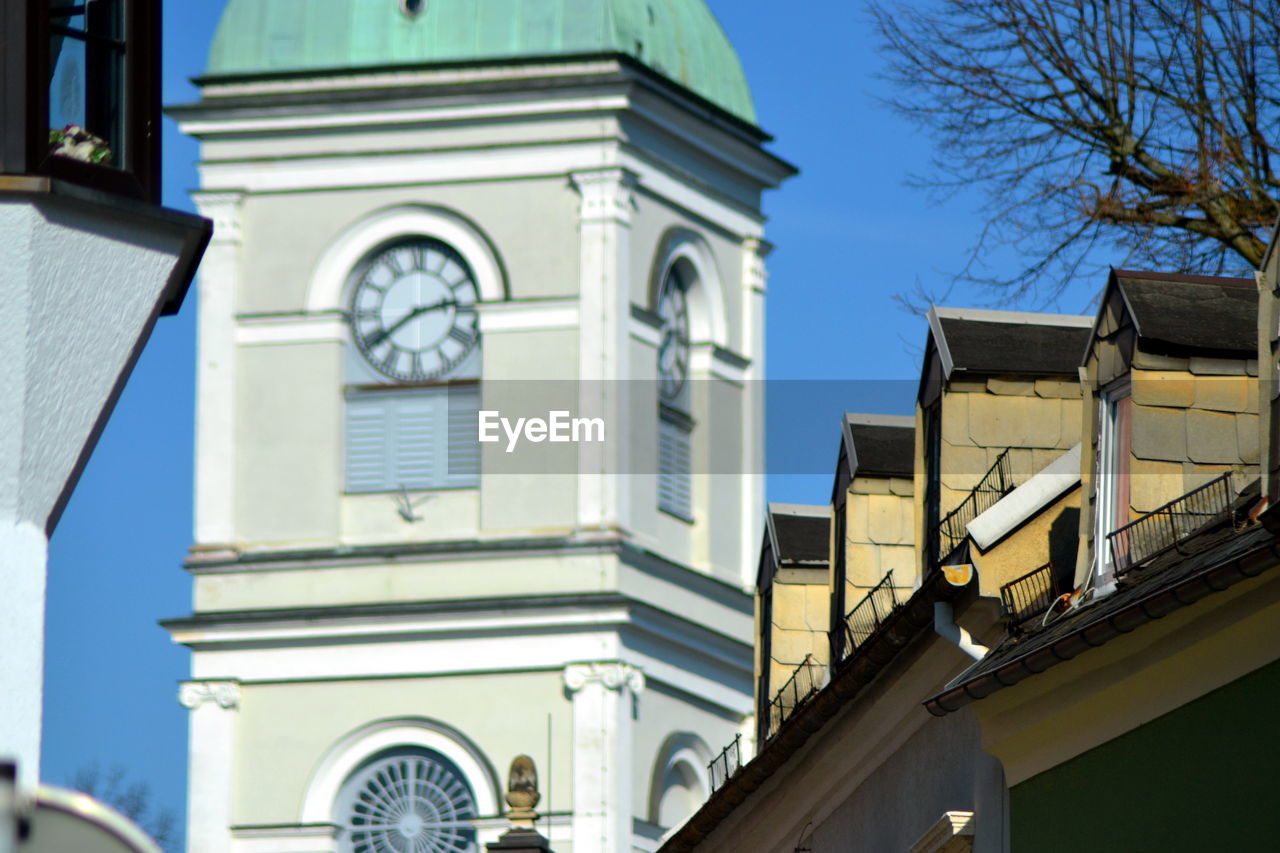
1216 559
996 342
880 444
800 534
1192 312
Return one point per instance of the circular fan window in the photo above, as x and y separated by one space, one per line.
407 801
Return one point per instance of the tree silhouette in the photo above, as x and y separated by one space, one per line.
131 798
1143 127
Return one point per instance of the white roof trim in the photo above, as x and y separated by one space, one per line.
940 340
1082 321
1058 477
880 420
812 511
770 526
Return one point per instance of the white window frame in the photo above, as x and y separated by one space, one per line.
348 753
1113 441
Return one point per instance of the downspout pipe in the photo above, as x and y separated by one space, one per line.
944 623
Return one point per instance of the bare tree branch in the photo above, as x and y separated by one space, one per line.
1146 127
131 799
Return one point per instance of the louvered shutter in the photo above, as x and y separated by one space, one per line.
366 444
416 422
463 446
674 468
412 440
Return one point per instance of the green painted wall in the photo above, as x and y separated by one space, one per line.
1201 778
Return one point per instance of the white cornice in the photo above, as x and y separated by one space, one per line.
348 626
490 164
364 118
291 329
407 78
529 315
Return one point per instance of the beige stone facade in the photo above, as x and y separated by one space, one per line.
960 717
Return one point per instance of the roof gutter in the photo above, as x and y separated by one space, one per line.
909 622
1156 605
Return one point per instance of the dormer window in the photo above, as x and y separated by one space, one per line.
1115 415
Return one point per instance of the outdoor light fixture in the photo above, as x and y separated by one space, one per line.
80 93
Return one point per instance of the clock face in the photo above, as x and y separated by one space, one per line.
413 311
673 350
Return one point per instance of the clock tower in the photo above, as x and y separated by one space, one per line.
431 217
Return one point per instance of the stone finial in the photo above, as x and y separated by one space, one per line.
522 793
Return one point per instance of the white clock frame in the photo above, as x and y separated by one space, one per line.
329 284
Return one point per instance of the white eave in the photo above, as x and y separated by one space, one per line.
1054 480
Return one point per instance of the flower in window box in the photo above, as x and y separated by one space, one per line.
76 143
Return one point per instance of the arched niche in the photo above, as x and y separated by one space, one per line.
327 290
680 782
355 747
688 250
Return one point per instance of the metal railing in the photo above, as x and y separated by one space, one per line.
868 615
994 485
803 683
1167 527
1028 596
724 765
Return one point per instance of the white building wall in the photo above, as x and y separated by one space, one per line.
566 224
82 285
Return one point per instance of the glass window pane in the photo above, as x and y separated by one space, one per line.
86 85
67 66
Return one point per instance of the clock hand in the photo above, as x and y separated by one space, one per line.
381 336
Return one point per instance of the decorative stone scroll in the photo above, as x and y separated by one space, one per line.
613 675
225 694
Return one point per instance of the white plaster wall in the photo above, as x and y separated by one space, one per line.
80 287
409 578
289 443
663 713
574 208
879 774
539 253
503 715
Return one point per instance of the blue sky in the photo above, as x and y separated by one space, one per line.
849 235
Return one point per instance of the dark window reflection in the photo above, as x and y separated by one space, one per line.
86 80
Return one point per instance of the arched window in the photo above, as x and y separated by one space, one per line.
675 422
412 389
404 800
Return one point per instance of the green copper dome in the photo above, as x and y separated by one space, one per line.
680 39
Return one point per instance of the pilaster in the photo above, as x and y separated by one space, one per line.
605 696
215 373
755 287
214 706
604 297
